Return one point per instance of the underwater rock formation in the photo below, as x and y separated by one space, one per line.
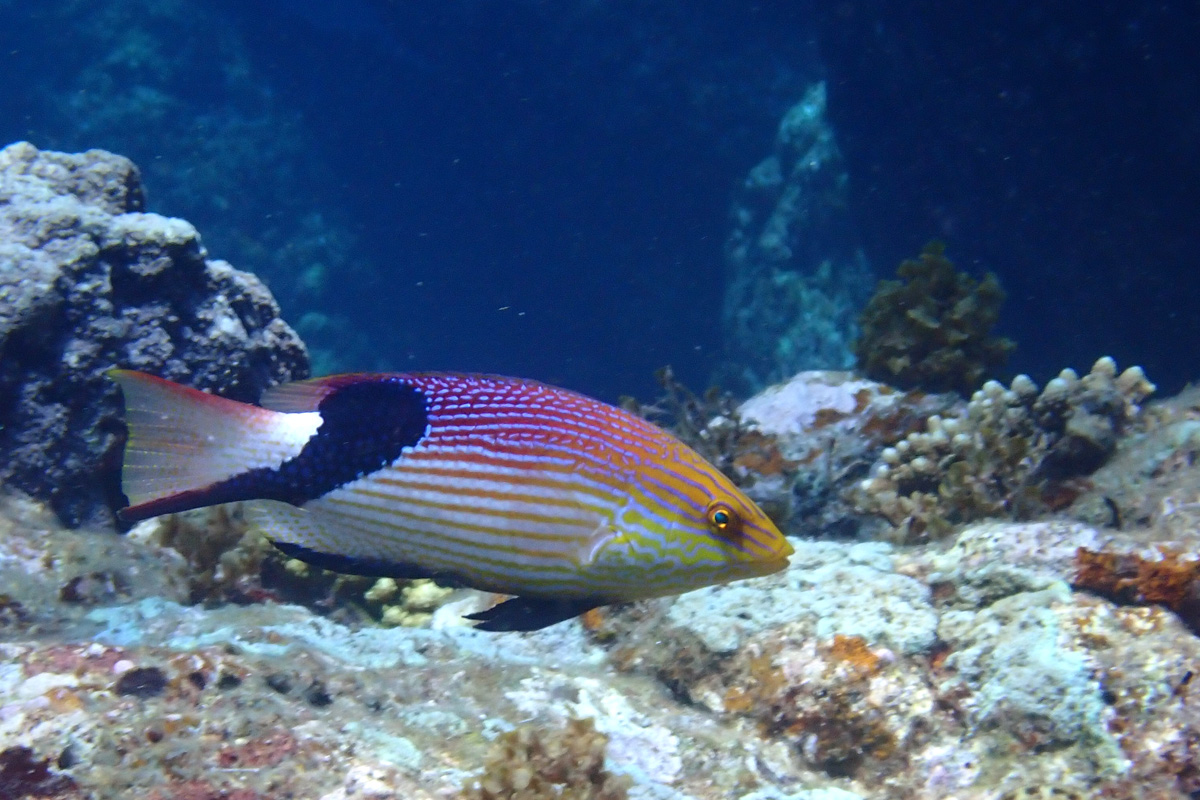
931 329
90 282
803 442
796 278
1149 482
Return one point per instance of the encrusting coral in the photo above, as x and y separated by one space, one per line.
931 329
1013 452
1159 577
527 764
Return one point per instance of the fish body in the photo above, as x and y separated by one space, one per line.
501 484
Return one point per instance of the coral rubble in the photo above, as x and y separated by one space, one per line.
932 328
90 282
528 764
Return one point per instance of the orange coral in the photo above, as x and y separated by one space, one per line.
853 650
1169 580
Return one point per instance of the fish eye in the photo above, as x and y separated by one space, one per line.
722 518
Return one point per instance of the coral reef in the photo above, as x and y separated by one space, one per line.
224 558
863 671
50 576
1152 480
931 329
1011 452
418 601
986 675
796 278
91 282
809 439
1009 664
531 764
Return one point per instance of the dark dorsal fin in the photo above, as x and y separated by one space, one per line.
531 613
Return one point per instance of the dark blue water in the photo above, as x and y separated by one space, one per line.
543 189
1055 143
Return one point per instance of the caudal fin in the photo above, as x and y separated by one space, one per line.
187 447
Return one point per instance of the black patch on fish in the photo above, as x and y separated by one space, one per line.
364 427
531 613
367 567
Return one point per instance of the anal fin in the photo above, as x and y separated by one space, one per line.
531 613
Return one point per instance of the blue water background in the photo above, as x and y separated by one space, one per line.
543 189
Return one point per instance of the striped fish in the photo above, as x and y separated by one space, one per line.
506 485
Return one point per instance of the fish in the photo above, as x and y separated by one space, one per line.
512 486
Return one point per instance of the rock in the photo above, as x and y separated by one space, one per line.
796 275
88 281
809 439
830 588
1022 677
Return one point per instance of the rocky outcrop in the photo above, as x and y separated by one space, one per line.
88 281
796 278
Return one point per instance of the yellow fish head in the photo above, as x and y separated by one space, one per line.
686 526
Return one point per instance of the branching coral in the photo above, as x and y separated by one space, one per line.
931 329
1011 453
532 765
